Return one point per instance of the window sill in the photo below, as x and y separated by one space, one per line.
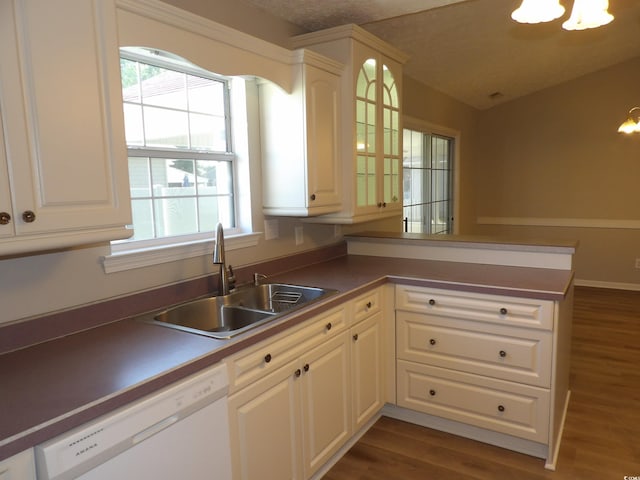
145 257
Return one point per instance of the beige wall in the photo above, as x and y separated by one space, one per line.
551 165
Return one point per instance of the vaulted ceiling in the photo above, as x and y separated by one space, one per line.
471 49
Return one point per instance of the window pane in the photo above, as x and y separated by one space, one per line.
130 80
218 176
134 130
205 95
142 212
175 216
162 87
207 132
139 178
173 178
166 128
213 210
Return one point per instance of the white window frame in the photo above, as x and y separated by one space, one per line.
126 255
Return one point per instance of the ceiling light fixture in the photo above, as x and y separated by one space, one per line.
588 14
538 11
630 125
585 13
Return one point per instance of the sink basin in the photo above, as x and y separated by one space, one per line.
274 297
246 308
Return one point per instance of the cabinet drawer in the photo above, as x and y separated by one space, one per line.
505 407
366 305
502 310
267 356
508 353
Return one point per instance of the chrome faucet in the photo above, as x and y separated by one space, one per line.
226 275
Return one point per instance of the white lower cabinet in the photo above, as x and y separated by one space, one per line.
296 399
291 421
493 362
367 357
19 467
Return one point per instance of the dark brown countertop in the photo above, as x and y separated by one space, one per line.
52 387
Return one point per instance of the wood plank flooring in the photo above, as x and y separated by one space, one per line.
602 432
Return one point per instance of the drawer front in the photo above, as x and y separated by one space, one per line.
507 353
366 305
504 407
267 356
501 310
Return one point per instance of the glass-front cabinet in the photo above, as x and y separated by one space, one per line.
371 140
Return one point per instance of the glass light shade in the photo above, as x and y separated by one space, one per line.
588 14
538 11
630 125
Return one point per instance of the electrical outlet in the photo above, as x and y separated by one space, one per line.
637 262
271 229
299 235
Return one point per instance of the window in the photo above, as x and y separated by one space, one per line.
428 182
179 141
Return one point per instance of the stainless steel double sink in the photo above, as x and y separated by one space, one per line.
241 310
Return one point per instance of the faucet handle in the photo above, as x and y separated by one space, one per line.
231 278
257 277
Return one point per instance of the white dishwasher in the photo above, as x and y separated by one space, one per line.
181 432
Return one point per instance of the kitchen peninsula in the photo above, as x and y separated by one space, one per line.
467 290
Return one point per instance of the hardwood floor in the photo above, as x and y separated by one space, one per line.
602 432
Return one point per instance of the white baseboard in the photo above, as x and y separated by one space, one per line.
508 442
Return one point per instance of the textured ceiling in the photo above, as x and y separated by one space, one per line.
471 49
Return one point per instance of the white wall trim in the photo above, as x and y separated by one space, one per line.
561 222
489 253
144 257
612 285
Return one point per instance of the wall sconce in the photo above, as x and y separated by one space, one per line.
630 125
585 13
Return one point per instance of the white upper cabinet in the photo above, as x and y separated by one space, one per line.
300 131
64 152
371 114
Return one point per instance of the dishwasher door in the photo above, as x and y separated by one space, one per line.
181 432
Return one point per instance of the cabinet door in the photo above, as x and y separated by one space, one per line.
299 135
378 143
325 402
19 467
62 114
366 369
265 428
323 167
